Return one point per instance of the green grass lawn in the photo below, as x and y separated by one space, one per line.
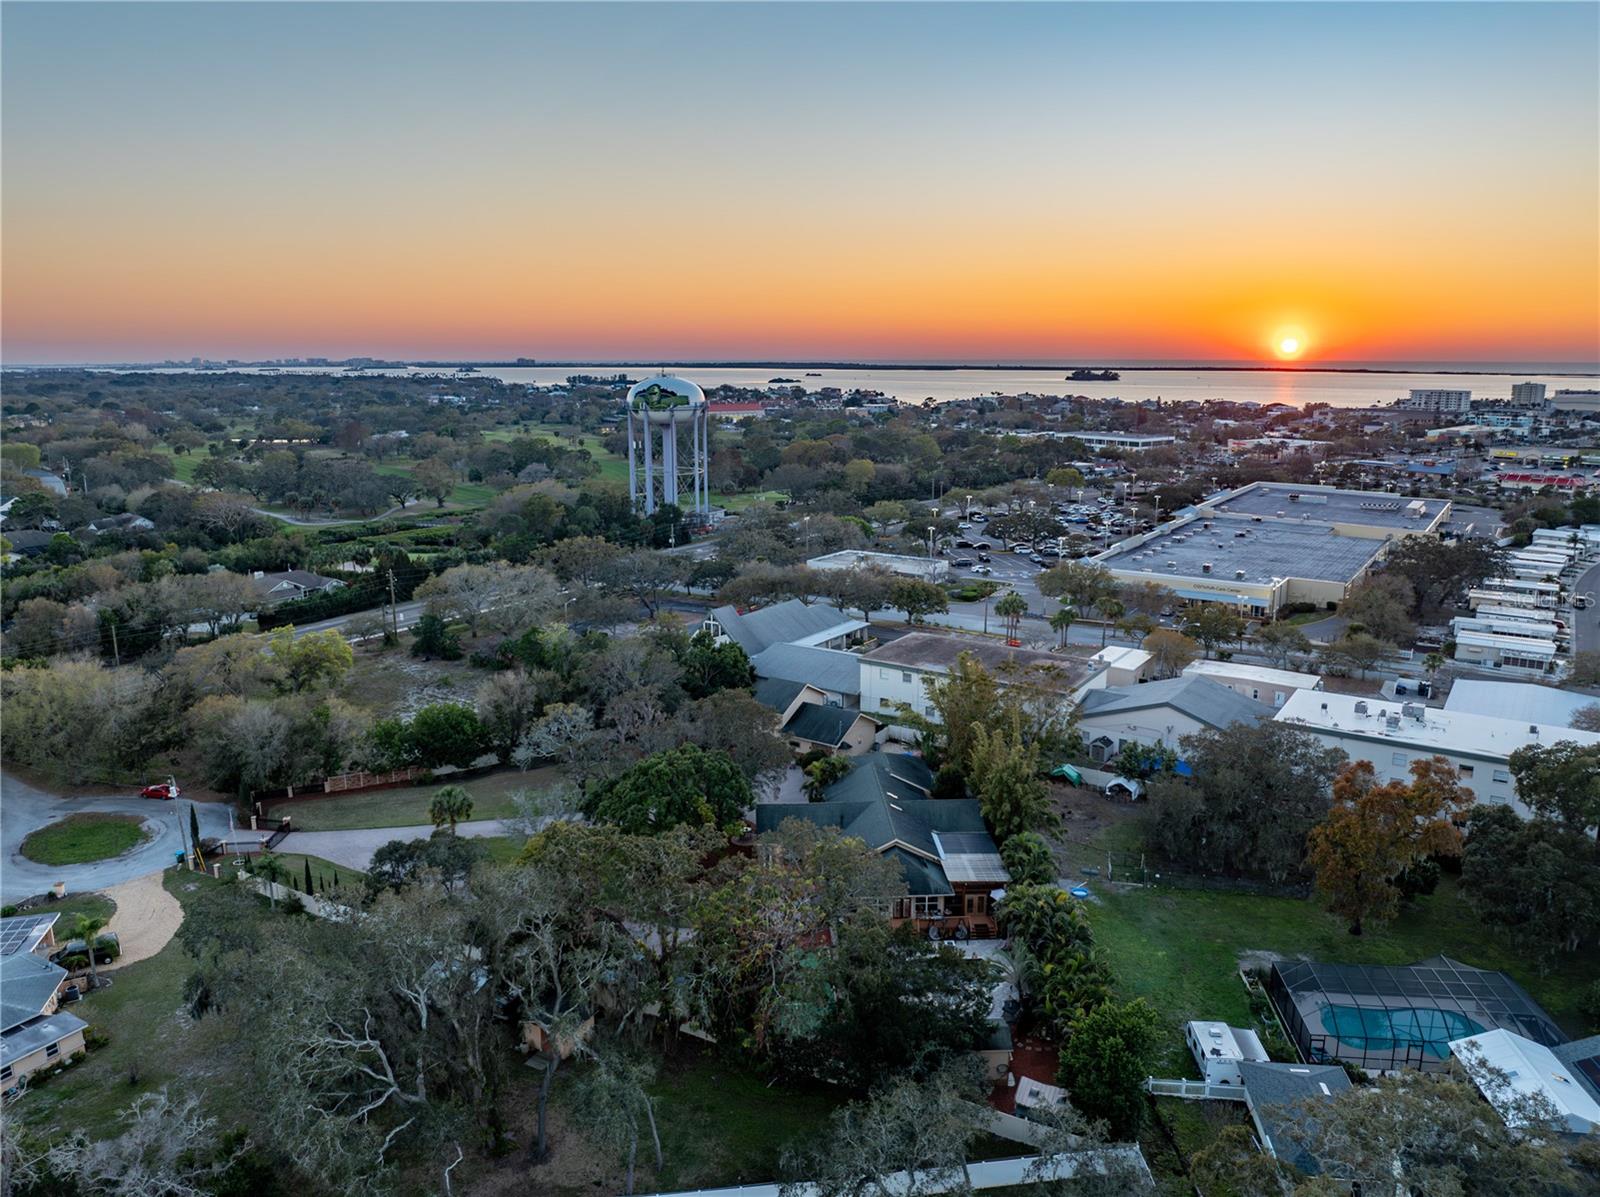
79 839
95 906
323 872
1180 950
153 1043
492 798
721 1124
183 464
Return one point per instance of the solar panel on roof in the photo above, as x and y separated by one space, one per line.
17 934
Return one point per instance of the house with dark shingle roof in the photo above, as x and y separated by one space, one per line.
831 670
1161 713
818 725
1277 1095
950 861
290 584
786 697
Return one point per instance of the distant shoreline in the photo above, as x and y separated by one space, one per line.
1560 369
1047 367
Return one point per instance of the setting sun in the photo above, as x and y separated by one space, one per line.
1288 346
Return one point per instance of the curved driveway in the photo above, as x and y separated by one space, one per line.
24 808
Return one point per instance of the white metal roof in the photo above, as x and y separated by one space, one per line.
1219 1041
1439 730
1283 679
1523 701
1527 1068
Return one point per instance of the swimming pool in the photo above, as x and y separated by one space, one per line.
1369 1030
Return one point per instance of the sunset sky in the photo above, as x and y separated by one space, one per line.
906 182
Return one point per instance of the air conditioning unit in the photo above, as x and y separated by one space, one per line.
1238 573
1361 708
1205 568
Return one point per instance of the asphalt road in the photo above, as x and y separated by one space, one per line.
1586 624
24 808
354 848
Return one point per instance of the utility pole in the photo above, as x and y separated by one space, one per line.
115 651
394 609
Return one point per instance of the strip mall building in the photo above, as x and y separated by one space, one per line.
1269 544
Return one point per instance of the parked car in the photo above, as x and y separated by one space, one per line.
963 563
167 790
107 947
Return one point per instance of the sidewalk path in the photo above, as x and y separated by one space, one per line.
354 849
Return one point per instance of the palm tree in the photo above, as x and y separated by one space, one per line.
1012 607
270 869
1111 610
87 929
1063 620
451 805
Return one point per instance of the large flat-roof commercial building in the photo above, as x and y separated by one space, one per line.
934 569
1268 544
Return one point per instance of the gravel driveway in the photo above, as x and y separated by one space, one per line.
25 808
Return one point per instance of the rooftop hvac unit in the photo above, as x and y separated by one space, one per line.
1324 706
1361 708
1392 722
1294 496
1238 573
1278 513
1413 710
1205 567
1239 534
1172 565
1533 729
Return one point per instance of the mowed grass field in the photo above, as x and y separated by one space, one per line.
1181 949
79 839
153 1043
493 797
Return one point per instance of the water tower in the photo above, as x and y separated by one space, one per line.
662 410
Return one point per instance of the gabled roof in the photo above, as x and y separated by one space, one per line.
777 693
1275 1089
877 805
27 983
829 669
880 775
1200 698
789 622
822 724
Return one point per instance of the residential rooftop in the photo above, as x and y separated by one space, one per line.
789 622
1264 552
1202 699
829 669
936 652
24 932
